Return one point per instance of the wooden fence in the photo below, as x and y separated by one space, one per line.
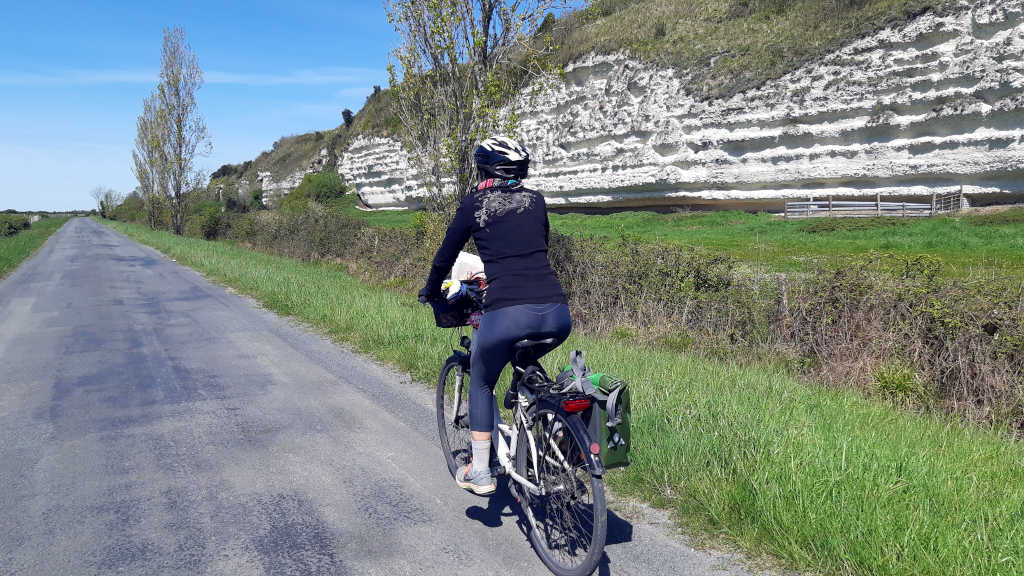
941 203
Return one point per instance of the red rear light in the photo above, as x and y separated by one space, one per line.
577 405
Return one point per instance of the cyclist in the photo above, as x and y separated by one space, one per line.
509 224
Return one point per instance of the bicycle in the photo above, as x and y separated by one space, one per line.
554 467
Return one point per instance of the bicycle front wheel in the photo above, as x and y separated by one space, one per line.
569 520
452 402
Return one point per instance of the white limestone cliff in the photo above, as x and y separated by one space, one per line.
381 172
928 106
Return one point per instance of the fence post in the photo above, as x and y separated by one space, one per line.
809 201
904 209
878 203
933 203
830 206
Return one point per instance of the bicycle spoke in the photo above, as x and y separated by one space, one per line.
453 417
563 515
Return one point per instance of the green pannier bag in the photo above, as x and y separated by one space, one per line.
608 419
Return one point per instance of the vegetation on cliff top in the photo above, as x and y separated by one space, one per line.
728 46
293 153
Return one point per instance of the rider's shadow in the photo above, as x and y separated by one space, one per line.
503 504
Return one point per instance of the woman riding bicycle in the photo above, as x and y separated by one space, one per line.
509 225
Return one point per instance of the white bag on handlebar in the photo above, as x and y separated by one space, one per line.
467 267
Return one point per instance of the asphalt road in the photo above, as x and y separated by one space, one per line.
152 422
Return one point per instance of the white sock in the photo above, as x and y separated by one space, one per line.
482 456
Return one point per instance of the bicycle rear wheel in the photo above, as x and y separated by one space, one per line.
569 522
452 401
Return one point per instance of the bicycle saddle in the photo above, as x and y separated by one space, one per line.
527 352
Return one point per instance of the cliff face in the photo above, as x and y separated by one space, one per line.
274 189
381 172
928 106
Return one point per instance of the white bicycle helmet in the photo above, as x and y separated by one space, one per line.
502 157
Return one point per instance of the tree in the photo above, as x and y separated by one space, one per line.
453 75
107 199
184 135
346 116
148 161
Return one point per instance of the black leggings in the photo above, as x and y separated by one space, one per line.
492 349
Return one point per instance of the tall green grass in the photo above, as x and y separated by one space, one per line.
14 249
822 479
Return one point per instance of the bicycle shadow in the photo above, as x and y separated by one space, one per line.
502 504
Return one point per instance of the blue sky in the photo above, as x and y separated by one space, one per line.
73 76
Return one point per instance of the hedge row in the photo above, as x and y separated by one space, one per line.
890 326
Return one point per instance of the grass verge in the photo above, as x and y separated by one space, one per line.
14 249
822 479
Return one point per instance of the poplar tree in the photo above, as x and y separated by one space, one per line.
183 131
148 161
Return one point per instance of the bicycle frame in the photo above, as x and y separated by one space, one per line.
505 438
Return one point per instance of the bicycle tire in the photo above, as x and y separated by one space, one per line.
454 433
550 514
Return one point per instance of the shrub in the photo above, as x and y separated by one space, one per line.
11 224
132 209
224 171
313 233
322 188
210 222
899 383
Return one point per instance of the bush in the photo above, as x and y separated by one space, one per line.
132 209
314 233
210 222
898 382
11 224
322 188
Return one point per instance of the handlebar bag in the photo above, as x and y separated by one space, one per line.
455 313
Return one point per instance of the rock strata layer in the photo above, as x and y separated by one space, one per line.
928 106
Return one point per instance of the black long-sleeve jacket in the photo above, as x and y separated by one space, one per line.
509 224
